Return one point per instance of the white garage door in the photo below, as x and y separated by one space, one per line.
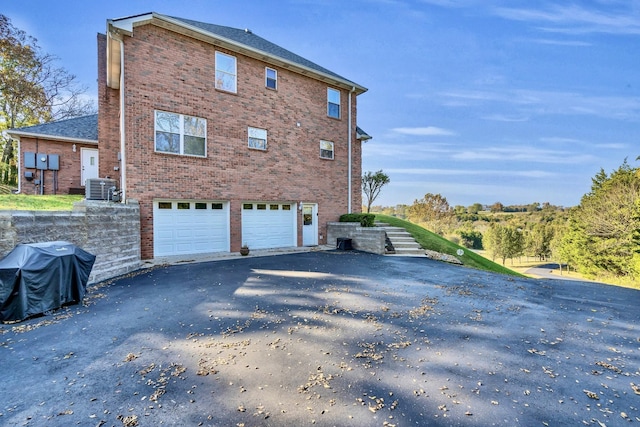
190 227
268 225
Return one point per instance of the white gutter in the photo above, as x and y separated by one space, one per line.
126 26
349 209
19 165
123 163
17 133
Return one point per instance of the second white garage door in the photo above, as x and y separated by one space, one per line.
183 227
268 225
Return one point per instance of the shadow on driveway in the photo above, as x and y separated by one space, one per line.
327 338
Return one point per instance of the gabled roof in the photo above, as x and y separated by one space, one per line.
238 40
362 135
79 129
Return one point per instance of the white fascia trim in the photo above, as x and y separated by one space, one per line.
126 25
17 134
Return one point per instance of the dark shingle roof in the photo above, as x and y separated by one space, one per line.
85 127
247 38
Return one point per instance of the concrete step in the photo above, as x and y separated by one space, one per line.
403 243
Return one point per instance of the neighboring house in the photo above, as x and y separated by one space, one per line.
57 157
223 137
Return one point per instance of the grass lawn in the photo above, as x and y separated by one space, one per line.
434 242
23 202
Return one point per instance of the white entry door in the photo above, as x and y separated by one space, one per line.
309 224
89 164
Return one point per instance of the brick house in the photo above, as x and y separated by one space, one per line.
223 137
57 157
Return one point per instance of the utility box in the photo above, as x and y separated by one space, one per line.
41 161
344 244
29 160
54 162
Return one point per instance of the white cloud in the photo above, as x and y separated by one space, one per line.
424 131
522 154
574 19
535 102
476 172
505 118
560 42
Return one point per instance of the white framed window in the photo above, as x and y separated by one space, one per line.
271 78
226 72
326 150
180 134
333 103
257 138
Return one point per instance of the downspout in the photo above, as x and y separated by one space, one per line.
19 167
123 163
349 210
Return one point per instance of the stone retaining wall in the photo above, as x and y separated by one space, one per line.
110 231
367 239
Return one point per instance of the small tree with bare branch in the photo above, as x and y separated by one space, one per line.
372 184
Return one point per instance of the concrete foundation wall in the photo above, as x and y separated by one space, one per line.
110 231
367 239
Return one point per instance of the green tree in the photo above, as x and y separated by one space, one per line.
433 211
474 208
602 235
32 91
538 240
503 242
372 184
497 207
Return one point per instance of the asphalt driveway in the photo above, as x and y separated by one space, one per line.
331 339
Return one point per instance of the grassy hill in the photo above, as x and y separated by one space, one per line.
434 242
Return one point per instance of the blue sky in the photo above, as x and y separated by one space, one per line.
478 100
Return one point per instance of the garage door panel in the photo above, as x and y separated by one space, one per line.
268 228
190 231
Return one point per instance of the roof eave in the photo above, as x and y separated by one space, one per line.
71 140
126 25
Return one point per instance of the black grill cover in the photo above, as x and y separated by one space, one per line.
38 277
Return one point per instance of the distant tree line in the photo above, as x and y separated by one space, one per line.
599 238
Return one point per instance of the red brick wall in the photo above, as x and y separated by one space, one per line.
108 118
170 72
70 163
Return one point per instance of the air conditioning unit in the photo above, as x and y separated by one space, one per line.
100 189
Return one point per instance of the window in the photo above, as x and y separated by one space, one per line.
274 207
326 150
216 205
200 205
247 206
226 72
184 205
271 78
164 205
333 103
257 138
286 207
180 134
